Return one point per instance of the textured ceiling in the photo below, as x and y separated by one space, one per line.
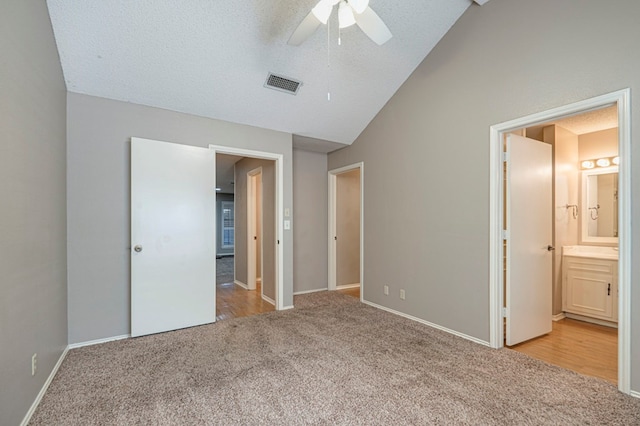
592 121
211 58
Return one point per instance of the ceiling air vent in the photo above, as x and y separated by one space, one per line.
283 84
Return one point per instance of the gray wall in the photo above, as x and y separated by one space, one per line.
268 223
219 199
99 132
310 220
427 151
33 275
348 228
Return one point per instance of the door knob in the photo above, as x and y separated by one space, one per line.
550 247
138 248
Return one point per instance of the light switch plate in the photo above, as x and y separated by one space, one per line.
287 212
287 225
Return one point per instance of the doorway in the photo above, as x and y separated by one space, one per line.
346 229
258 220
498 210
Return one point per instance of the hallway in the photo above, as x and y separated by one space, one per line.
233 301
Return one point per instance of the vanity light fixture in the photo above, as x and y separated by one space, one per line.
600 162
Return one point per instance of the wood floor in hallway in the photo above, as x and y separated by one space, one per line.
585 348
233 301
353 292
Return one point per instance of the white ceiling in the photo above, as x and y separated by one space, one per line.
211 58
592 121
579 124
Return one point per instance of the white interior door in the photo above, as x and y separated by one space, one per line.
172 236
529 221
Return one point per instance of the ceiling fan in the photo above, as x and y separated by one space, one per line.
349 12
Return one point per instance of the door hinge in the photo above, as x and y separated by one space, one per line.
505 157
505 234
505 313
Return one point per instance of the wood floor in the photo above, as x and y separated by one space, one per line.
233 301
353 292
580 346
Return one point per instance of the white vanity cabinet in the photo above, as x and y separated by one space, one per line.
590 286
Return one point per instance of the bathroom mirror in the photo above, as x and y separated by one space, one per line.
600 205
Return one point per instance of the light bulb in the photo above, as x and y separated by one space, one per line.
616 160
588 164
345 15
603 162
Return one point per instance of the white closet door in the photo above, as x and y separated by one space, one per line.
173 276
529 220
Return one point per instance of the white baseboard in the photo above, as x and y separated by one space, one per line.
591 320
268 299
634 394
241 284
286 308
36 402
298 293
430 324
346 286
559 316
98 341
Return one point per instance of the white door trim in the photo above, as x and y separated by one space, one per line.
279 248
251 231
332 224
496 198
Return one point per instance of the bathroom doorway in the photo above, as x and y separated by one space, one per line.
567 211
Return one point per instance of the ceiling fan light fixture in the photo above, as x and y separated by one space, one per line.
345 15
322 10
359 6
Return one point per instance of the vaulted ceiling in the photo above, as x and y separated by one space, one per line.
211 58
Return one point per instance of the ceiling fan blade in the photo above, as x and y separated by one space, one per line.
372 25
308 26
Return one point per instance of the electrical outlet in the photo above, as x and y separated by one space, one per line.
402 294
34 364
386 290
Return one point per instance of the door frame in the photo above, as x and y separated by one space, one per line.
620 98
252 276
331 242
279 246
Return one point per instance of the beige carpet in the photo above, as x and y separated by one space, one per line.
331 360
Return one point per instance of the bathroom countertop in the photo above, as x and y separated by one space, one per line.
595 252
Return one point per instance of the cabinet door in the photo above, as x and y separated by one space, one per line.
590 288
